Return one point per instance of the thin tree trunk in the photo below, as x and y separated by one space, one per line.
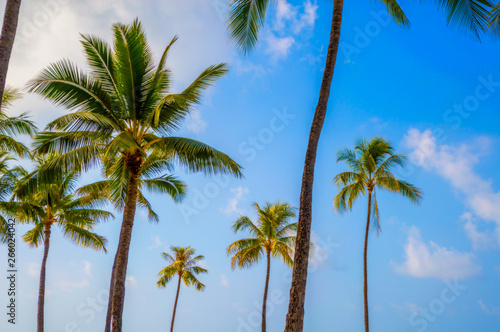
175 304
9 28
110 298
133 164
266 289
365 256
41 291
295 316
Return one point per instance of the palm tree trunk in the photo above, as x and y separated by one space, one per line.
7 39
266 289
175 304
295 316
365 256
41 291
133 164
110 298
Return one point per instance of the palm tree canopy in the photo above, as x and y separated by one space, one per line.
247 17
183 263
114 188
122 110
54 203
273 233
12 126
370 166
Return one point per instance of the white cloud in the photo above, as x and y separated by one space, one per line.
224 281
157 243
83 270
479 240
87 268
195 122
489 310
131 281
278 47
239 195
290 20
33 270
68 286
429 260
455 164
56 36
284 11
322 250
308 17
294 16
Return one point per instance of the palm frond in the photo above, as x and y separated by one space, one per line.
246 18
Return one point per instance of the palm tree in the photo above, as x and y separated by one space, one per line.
8 179
7 37
272 236
245 19
123 111
114 190
182 264
54 203
371 164
12 126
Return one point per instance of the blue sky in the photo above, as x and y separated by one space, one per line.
431 90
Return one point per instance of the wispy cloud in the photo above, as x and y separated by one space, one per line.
290 20
83 270
456 165
488 309
429 260
224 281
195 122
33 270
131 281
278 47
156 243
239 195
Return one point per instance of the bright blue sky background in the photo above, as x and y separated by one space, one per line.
396 83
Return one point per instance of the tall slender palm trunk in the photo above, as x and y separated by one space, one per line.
365 256
175 305
134 164
41 290
266 290
110 298
9 28
295 316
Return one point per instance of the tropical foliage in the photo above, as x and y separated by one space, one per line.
370 163
123 117
272 236
184 265
54 204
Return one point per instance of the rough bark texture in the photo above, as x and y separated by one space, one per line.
295 316
110 297
133 164
365 256
41 291
266 290
175 304
7 40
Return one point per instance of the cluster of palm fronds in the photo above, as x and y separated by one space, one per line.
121 119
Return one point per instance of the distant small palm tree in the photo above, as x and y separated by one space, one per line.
54 203
183 265
272 236
113 190
13 126
371 164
